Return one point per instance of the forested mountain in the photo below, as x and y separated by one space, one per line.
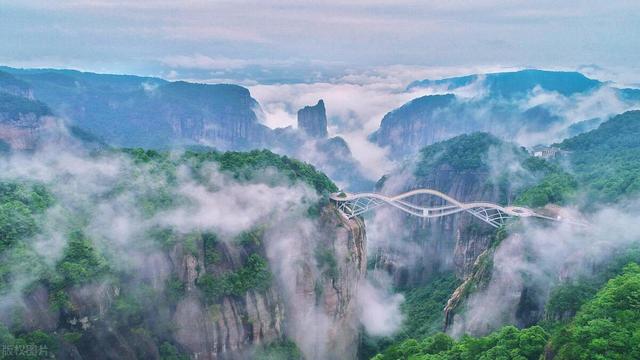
154 255
607 160
319 180
566 306
436 256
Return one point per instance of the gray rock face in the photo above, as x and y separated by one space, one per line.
468 168
131 111
332 292
230 327
21 119
447 243
313 120
20 137
420 122
225 329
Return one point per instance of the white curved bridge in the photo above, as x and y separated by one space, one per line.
352 205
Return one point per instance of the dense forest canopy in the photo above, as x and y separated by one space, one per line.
606 161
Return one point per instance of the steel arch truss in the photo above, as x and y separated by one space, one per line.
352 205
358 206
491 216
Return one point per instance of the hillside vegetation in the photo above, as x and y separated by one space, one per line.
606 161
605 327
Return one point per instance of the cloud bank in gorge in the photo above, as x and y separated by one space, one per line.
541 257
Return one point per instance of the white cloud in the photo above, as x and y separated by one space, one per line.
199 61
380 312
364 33
355 106
243 205
541 257
357 102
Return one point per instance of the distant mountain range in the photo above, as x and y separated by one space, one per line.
530 106
519 83
147 112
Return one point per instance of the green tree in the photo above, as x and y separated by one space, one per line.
81 263
608 326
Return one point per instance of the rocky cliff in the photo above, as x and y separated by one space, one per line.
330 288
326 280
20 133
132 111
466 168
183 310
312 120
230 326
309 142
450 243
416 124
149 112
21 117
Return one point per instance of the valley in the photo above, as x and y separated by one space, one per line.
142 218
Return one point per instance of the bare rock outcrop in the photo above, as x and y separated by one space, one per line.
313 120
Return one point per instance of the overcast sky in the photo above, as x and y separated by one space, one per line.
201 38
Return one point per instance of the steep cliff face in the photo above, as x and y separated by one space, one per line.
318 267
478 276
330 286
22 133
218 115
21 119
474 167
459 168
232 326
416 124
326 280
149 112
132 111
313 120
450 243
309 142
126 273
